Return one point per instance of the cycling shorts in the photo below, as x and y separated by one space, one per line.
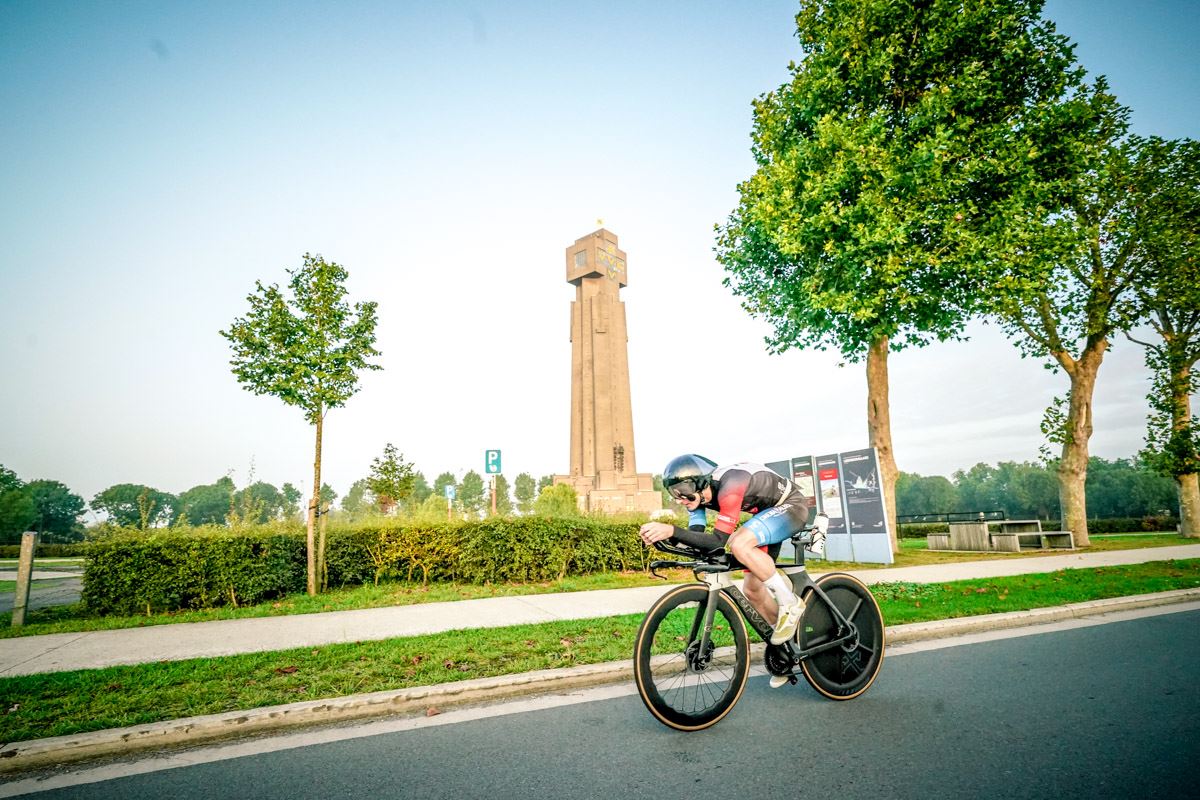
778 523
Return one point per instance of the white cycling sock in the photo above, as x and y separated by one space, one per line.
781 588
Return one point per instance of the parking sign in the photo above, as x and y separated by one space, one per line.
491 462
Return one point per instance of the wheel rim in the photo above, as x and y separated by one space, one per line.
683 686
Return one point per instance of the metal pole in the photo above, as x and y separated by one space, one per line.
24 577
493 495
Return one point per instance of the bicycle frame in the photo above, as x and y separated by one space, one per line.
717 579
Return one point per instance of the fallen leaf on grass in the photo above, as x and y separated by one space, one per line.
286 670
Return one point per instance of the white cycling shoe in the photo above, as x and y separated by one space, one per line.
778 680
789 619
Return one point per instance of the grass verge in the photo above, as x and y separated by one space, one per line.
54 704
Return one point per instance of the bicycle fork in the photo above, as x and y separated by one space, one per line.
700 644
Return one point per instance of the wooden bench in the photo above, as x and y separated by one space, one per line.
1016 541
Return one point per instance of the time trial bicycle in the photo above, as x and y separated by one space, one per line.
692 654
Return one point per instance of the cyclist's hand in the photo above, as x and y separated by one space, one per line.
653 532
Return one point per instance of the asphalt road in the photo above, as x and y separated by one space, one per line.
1101 711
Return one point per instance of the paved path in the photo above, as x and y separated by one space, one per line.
71 651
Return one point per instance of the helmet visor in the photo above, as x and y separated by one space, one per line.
684 490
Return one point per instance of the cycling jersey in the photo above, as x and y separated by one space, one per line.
778 507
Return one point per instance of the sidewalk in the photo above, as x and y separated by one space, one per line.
72 651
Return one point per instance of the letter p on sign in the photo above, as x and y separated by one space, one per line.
491 462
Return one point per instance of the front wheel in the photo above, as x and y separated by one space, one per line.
847 670
688 685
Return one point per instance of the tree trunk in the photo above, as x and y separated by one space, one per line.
313 505
322 568
1189 486
1072 469
879 431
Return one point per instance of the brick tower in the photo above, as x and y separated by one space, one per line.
603 466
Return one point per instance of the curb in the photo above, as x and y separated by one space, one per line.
60 750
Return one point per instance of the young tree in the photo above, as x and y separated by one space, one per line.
1168 223
524 489
133 505
391 479
888 168
307 351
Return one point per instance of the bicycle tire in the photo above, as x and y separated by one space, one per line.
844 672
681 691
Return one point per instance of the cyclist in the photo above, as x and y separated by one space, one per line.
778 510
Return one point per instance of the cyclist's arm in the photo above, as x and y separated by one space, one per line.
700 539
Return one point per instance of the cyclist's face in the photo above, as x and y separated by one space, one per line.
694 502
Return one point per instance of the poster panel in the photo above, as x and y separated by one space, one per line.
838 544
804 475
866 516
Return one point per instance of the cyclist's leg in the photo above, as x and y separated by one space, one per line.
749 544
760 598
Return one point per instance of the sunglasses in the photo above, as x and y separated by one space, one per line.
685 491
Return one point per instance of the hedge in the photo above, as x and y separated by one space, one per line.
131 571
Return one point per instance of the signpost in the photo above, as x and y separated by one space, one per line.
449 501
491 465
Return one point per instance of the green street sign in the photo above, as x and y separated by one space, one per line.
491 462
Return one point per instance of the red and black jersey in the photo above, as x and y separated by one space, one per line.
745 487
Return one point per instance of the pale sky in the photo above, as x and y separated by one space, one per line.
159 157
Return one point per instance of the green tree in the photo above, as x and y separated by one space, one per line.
420 489
1082 249
291 501
441 482
17 512
58 510
307 351
207 504
557 500
258 503
358 502
888 169
544 482
524 489
134 505
472 494
918 494
1167 217
391 479
504 505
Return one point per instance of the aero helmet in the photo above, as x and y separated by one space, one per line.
686 476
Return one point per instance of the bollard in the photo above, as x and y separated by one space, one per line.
24 577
